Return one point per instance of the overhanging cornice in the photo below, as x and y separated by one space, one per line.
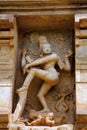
42 5
41 2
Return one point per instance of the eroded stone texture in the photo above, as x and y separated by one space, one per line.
81 100
7 64
22 127
5 97
81 70
50 78
60 99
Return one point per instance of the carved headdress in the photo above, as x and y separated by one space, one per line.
44 45
42 39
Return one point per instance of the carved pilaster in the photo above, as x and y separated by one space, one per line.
81 69
8 41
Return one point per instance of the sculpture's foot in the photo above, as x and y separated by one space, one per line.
21 89
34 113
21 120
45 110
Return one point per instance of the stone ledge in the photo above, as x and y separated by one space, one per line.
22 127
6 98
4 118
81 98
36 2
81 119
38 5
4 115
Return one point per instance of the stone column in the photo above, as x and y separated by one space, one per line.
81 69
8 42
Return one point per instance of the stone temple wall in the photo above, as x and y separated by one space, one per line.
16 26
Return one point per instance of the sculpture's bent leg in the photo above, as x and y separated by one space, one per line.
42 74
27 81
42 93
20 106
22 92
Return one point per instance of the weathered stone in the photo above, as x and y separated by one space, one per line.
4 42
81 58
5 35
4 129
81 67
81 119
47 58
21 127
83 23
81 54
81 71
6 98
80 42
77 75
6 78
4 53
4 116
81 76
81 33
3 125
81 98
7 67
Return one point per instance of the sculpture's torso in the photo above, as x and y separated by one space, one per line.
51 71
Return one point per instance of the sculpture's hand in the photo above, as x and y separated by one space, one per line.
69 54
26 68
25 52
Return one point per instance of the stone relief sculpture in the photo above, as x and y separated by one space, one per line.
43 68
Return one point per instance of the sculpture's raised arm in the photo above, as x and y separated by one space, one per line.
26 59
60 63
43 60
23 61
67 66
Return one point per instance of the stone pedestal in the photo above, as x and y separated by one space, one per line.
22 127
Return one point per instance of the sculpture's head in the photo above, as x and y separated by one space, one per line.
44 45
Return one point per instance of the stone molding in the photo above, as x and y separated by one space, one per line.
28 5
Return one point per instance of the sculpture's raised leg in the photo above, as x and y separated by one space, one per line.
22 96
22 92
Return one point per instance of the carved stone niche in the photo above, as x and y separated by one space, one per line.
59 32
